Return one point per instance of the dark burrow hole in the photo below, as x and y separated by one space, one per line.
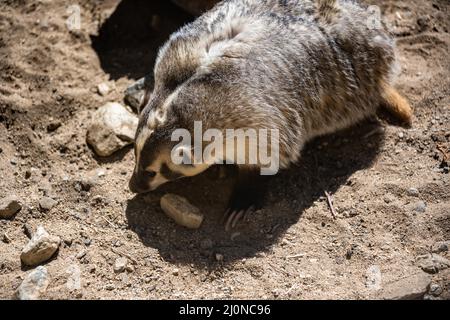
128 41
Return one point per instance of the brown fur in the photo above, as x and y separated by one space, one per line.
397 105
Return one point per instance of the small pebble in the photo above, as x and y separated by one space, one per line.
421 207
9 206
120 264
103 89
6 238
47 203
81 254
176 272
413 192
435 290
110 287
53 126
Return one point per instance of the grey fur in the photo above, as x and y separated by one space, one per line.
303 67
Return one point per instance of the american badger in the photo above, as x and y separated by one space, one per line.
302 67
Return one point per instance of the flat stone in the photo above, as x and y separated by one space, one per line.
34 284
410 288
9 206
181 211
113 127
40 248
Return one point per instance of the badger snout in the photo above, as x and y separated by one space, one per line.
139 184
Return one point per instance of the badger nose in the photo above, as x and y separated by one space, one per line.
136 185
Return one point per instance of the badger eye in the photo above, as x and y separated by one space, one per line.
150 174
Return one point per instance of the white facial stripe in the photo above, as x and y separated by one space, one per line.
188 171
140 142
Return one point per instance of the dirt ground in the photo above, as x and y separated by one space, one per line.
291 249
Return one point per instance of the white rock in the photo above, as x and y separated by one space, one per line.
34 284
120 264
40 248
103 89
113 127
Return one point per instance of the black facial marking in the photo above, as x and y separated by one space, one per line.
169 174
148 154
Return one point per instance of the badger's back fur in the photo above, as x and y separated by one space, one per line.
303 67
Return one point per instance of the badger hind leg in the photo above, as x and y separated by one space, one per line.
248 195
396 105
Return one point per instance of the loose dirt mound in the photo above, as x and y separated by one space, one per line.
390 186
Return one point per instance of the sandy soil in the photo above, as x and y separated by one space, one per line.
292 249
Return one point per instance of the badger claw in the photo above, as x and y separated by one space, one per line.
248 196
238 210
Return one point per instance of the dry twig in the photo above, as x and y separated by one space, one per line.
330 204
124 255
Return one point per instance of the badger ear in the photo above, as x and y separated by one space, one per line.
138 95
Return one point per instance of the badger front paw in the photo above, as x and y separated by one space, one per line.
247 197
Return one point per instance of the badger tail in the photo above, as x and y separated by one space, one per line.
397 105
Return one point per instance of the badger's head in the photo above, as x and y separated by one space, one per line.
155 150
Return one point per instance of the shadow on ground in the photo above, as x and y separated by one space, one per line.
326 164
129 39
